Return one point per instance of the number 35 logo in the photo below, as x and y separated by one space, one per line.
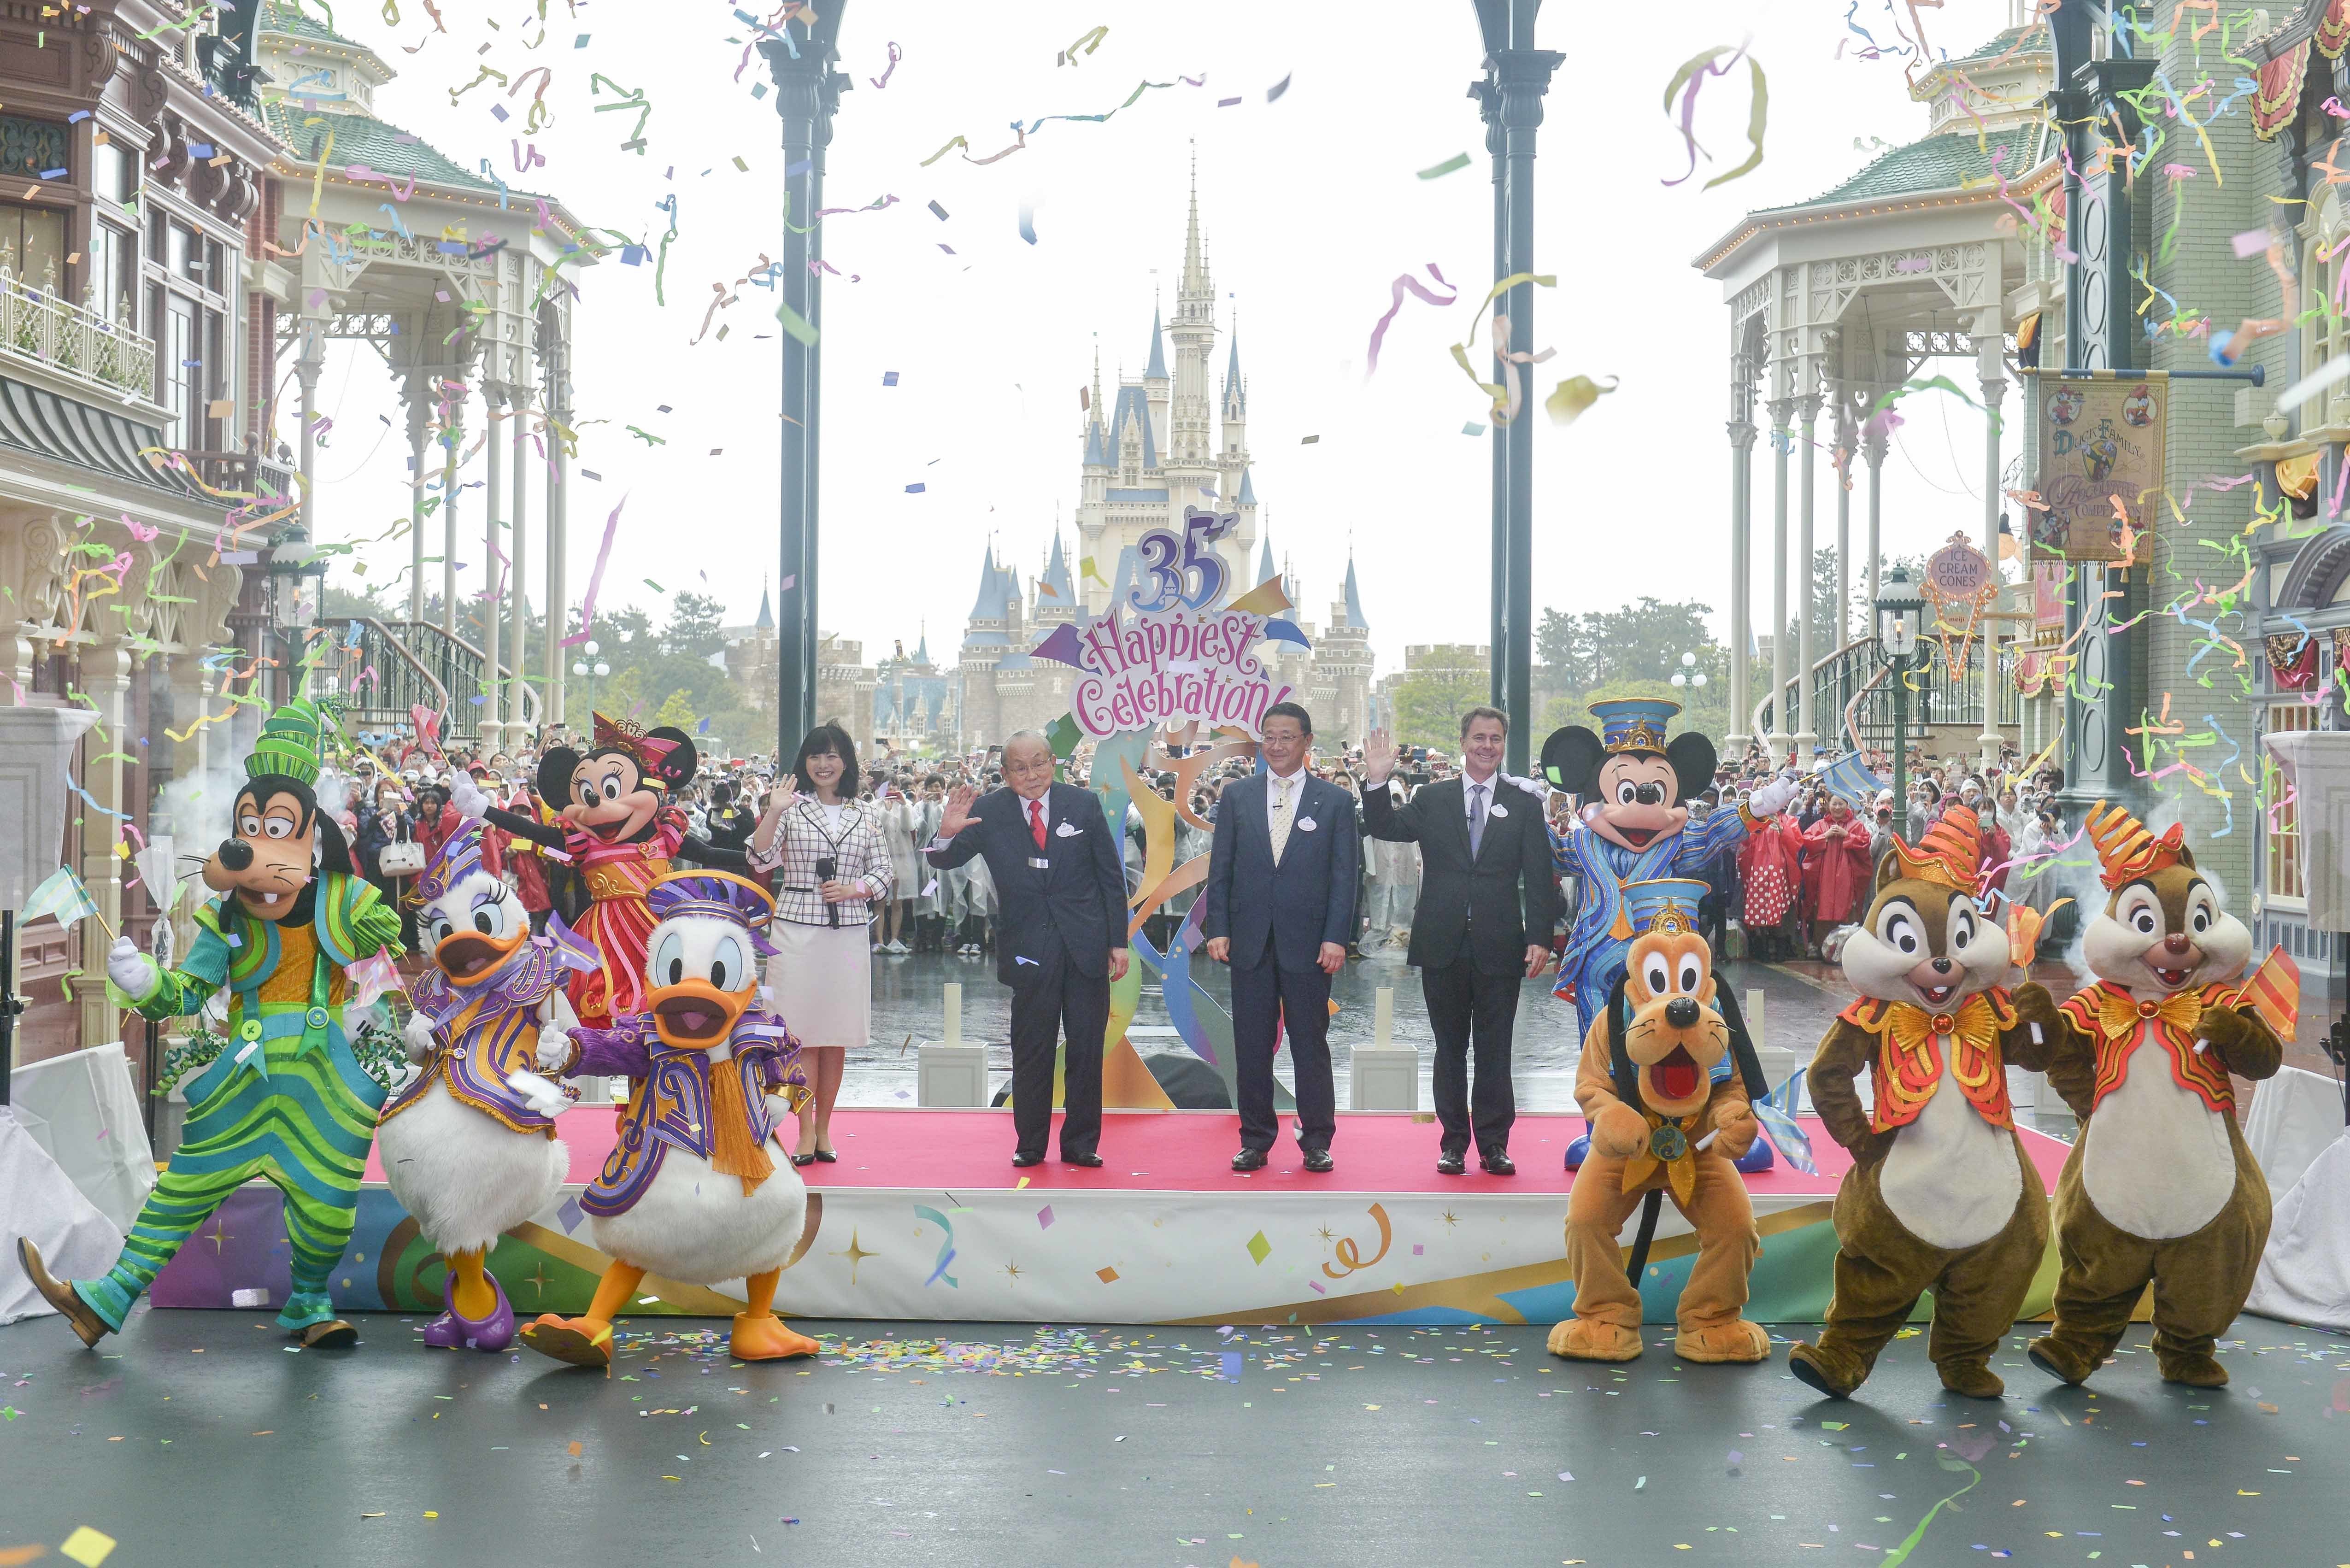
1181 569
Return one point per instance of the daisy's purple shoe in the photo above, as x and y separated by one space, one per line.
453 1331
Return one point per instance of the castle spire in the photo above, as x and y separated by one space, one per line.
1156 370
1195 286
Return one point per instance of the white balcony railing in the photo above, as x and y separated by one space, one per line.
73 341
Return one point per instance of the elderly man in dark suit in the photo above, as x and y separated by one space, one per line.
1060 936
1281 909
1487 903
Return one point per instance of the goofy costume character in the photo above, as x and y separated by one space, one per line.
286 1100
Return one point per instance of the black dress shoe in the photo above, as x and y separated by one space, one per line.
1089 1161
1249 1159
1497 1162
1024 1160
1318 1160
1450 1164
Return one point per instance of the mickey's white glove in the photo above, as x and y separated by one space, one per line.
467 796
1770 799
554 1051
417 1037
133 972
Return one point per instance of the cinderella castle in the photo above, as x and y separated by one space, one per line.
1161 445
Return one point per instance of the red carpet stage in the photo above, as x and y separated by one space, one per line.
924 1218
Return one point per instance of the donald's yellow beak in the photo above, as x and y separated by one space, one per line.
694 1014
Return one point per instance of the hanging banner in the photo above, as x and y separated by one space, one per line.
2101 453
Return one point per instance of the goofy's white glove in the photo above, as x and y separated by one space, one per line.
133 972
467 796
1770 799
555 1049
417 1036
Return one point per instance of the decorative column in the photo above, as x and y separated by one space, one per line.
1807 733
1741 574
105 682
308 363
416 392
492 592
452 444
1990 339
559 491
1783 418
1847 439
807 92
1872 446
518 612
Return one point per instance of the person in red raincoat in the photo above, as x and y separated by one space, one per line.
1769 868
1837 870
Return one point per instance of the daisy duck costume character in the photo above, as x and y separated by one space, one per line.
696 1190
621 825
1632 789
466 1152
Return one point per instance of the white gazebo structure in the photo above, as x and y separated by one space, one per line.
1836 303
464 287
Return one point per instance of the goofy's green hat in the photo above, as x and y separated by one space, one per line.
292 744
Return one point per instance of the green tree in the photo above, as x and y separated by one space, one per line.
1431 698
676 711
694 627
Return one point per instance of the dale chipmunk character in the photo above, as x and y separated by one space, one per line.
1941 1195
2160 1186
621 825
1662 1122
286 1100
693 1192
1632 790
466 1152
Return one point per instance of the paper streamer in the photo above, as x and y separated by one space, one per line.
596 577
896 53
1690 78
1405 282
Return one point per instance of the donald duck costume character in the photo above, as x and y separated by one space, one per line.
1632 787
692 1190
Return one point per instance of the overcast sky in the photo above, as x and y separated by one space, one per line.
1311 204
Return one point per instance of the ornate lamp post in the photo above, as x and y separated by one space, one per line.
591 669
1899 610
297 587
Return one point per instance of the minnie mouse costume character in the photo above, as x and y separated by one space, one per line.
620 826
1632 788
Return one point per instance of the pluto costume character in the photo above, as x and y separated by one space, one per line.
1632 790
2159 1186
465 1152
284 1100
1661 1121
692 1191
1941 1195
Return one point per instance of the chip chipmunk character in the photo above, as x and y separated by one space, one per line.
697 1190
286 1100
1663 1122
2159 1186
1941 1195
469 1151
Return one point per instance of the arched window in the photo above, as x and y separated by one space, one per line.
2326 323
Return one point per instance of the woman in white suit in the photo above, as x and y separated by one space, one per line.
831 868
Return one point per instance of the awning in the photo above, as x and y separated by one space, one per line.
2277 95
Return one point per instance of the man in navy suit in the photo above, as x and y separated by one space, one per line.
1060 937
1281 909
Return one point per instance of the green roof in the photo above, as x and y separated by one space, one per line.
386 149
2004 40
1936 163
283 17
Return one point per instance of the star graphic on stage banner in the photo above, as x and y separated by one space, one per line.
854 1254
1013 1270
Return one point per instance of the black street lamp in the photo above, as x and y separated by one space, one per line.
297 592
1900 610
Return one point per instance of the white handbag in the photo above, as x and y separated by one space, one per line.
405 858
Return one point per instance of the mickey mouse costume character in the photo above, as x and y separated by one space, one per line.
620 826
1633 789
284 1100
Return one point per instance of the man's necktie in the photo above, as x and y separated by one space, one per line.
1280 820
1476 819
1036 822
